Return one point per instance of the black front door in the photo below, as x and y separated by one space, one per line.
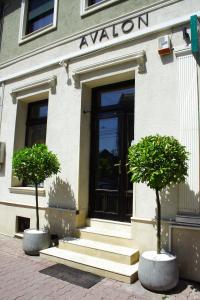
111 193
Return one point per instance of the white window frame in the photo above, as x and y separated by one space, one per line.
23 37
86 9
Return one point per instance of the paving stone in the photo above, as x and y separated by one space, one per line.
25 277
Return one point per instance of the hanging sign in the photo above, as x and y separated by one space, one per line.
195 34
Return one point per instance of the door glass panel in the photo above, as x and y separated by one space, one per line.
108 154
130 136
117 97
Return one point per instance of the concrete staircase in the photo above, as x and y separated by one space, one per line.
104 248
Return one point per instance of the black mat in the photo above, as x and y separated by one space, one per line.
71 275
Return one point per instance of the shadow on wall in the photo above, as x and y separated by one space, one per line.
169 207
186 240
61 213
186 246
171 204
190 197
61 195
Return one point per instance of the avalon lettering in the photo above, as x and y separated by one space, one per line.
113 31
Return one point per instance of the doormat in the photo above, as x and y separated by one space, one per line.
71 275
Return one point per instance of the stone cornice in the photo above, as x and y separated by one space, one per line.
49 83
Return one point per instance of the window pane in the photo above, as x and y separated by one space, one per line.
91 2
40 23
40 14
36 123
38 8
38 110
116 97
36 135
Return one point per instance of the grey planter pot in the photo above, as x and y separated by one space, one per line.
35 240
158 272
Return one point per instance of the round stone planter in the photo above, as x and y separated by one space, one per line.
158 272
35 240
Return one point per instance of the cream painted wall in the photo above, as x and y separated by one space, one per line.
186 246
156 111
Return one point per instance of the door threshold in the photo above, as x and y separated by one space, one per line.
110 221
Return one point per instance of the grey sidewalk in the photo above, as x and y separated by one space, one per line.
23 277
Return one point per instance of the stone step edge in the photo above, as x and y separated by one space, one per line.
126 251
19 235
90 261
104 221
103 232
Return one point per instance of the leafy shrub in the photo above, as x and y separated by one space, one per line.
33 165
158 161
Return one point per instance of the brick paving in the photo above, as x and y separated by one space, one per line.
26 277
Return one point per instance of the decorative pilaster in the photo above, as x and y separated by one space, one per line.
189 131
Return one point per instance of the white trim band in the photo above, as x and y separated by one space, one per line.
106 45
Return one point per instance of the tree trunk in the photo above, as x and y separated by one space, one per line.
158 222
37 210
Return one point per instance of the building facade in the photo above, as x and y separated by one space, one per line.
86 78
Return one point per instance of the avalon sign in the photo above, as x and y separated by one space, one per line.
115 30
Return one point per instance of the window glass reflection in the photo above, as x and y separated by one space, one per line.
108 154
116 97
91 2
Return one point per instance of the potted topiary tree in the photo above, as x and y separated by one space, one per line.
158 161
33 165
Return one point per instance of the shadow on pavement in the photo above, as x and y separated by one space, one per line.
73 276
183 285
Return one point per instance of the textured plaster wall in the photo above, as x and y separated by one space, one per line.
63 137
69 22
156 111
61 222
186 246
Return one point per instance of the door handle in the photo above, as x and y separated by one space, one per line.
119 165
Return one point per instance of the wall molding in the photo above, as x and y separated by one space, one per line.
139 57
109 44
183 50
27 191
151 221
188 219
77 35
25 205
49 83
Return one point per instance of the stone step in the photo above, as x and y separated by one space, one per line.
113 226
95 265
105 236
19 235
115 253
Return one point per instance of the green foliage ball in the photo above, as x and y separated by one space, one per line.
35 164
158 161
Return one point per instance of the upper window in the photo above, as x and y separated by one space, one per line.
40 14
37 17
91 6
91 2
36 123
